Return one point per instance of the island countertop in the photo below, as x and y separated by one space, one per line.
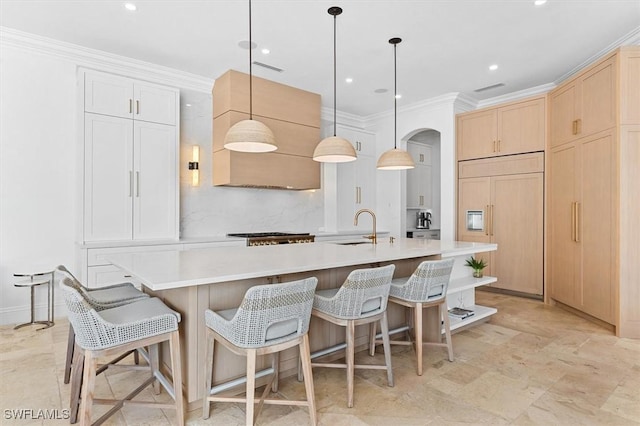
183 268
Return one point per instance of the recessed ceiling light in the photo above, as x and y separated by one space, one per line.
539 2
130 6
398 96
348 80
188 105
381 90
265 51
493 67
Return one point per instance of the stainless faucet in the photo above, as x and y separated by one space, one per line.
371 237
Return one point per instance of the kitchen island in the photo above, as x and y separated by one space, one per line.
217 278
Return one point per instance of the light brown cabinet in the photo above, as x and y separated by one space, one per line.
513 128
593 197
501 200
584 105
293 115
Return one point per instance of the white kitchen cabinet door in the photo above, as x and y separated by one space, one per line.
356 189
419 183
420 153
154 103
108 94
108 178
155 202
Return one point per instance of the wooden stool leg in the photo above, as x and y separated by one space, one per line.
251 385
350 355
305 357
76 383
444 313
300 376
71 342
384 324
154 360
372 338
88 385
206 404
275 363
418 338
176 372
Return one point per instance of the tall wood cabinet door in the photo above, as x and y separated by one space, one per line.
563 253
477 134
517 211
597 226
108 178
474 196
108 94
598 99
155 181
521 127
155 103
563 103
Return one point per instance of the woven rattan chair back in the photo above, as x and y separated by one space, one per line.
364 293
429 282
285 305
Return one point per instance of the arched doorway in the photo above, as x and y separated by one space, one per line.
423 186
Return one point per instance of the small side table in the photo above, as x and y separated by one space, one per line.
33 280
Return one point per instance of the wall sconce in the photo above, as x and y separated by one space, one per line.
194 165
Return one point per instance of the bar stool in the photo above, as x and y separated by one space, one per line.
425 288
114 331
270 319
99 299
362 299
33 280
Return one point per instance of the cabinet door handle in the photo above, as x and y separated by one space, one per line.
130 183
356 195
137 184
574 129
494 146
578 205
422 158
492 219
486 220
578 126
498 145
573 221
130 106
137 107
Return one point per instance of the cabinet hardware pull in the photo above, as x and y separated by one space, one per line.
498 145
492 219
578 205
486 220
573 222
130 183
137 184
137 107
574 129
578 126
422 158
130 106
494 146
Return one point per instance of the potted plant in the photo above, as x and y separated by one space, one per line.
477 266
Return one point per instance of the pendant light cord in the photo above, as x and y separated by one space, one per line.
334 75
250 71
395 98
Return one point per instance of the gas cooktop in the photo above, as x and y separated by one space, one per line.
264 234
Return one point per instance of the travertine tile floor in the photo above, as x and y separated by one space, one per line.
531 364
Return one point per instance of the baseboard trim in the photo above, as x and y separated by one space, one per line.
510 292
21 314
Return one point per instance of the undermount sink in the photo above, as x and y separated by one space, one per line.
353 243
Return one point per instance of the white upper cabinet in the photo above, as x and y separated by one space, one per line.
130 161
419 179
127 98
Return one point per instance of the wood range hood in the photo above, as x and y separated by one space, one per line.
294 117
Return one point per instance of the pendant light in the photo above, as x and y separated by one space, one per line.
250 135
395 159
334 149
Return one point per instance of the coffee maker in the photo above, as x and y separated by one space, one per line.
423 220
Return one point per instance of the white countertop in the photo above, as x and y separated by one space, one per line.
182 268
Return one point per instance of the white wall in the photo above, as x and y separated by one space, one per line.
37 171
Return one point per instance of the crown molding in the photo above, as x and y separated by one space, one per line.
92 58
464 103
515 96
631 38
443 100
326 114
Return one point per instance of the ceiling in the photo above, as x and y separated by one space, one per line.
447 45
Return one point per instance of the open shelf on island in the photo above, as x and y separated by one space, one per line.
479 312
467 283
